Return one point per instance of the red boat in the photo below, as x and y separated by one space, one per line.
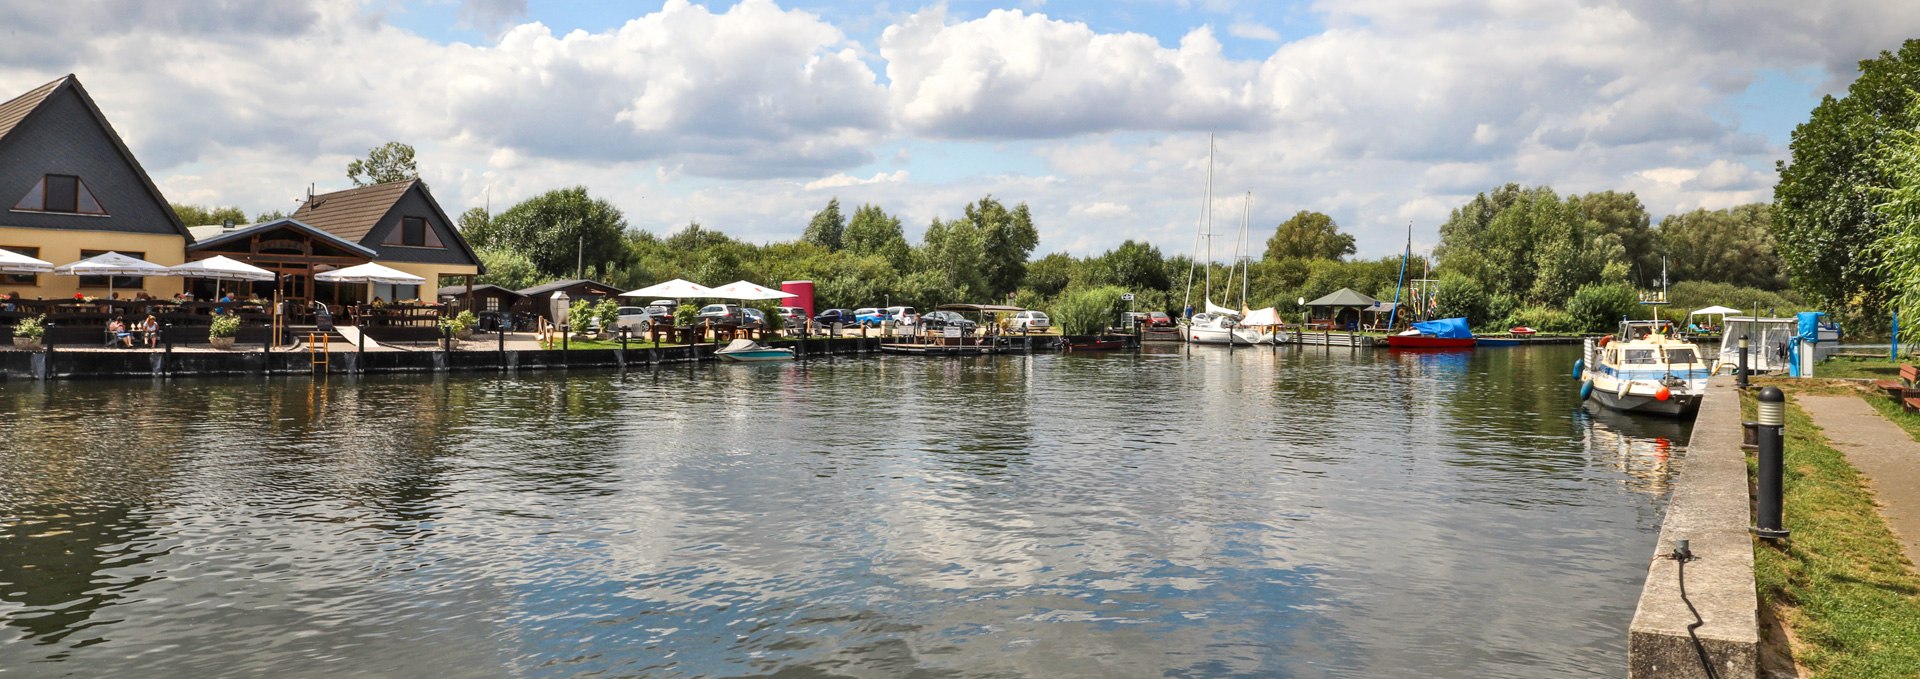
1428 342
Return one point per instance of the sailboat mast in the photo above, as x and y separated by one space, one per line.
1246 254
1394 314
1199 226
1207 292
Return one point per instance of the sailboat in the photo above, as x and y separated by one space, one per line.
1443 333
1216 324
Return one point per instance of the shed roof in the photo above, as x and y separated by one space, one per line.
458 290
556 285
1344 297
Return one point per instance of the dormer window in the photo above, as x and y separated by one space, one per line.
414 232
61 193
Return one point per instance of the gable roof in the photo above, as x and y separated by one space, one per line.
208 236
556 285
18 109
1344 297
352 213
458 290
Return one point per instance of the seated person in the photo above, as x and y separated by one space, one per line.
150 331
117 333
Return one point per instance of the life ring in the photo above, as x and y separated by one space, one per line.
1604 339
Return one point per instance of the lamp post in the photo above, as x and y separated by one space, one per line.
1772 466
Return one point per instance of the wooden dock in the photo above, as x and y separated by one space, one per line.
1328 338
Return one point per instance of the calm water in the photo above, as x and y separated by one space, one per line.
1309 513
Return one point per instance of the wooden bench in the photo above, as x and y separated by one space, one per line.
1897 389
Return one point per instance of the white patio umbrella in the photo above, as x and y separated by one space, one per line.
221 268
15 263
1715 310
743 290
112 264
673 289
369 273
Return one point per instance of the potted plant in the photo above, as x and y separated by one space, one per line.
580 318
28 331
466 321
222 332
608 313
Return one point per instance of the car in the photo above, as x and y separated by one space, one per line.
753 318
1147 319
870 317
637 318
720 314
904 315
1030 321
793 315
832 316
939 320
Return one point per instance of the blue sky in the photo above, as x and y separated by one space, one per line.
750 115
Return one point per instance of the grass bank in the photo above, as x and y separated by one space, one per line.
1868 368
1840 584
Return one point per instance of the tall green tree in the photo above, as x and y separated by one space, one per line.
957 252
203 215
390 162
1309 235
1050 274
1824 218
873 232
561 232
827 227
1008 237
1524 245
1617 218
1899 205
1723 246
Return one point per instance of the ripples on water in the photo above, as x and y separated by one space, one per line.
1305 513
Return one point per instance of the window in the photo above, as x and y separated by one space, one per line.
1680 355
1641 357
493 303
118 282
414 232
26 279
60 193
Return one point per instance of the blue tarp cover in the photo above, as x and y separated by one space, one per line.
1451 328
1810 325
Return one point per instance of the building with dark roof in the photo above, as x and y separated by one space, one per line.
538 299
72 189
405 228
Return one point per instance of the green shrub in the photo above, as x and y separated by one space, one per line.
1088 311
683 315
580 317
608 313
1463 297
1544 319
224 325
466 319
31 327
1598 307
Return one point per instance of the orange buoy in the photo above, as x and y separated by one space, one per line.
1663 394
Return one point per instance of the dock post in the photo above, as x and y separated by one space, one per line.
360 360
500 338
1767 504
1742 368
166 351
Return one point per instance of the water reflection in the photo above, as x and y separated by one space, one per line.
1310 512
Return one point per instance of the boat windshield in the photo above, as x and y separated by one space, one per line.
1639 357
1680 355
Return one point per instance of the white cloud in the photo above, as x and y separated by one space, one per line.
1253 31
843 180
1103 210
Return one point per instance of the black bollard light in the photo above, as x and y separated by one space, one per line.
1742 368
1773 405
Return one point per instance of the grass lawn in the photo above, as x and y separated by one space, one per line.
1870 368
1840 583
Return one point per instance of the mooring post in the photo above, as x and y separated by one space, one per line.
1767 505
360 359
166 350
1741 381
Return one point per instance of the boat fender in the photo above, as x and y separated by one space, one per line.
1579 366
1663 394
1622 391
1586 390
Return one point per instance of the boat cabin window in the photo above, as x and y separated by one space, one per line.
1640 357
1680 355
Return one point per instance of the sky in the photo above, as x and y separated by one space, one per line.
749 116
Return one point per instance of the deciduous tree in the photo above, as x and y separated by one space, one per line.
1309 235
827 227
390 162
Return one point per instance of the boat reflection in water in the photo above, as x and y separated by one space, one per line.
1642 448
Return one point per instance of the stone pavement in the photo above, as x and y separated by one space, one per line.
1884 454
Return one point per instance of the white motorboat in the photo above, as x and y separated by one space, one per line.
748 351
1645 370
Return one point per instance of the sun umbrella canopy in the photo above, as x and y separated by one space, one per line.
112 264
743 290
1262 317
674 289
14 262
369 273
1715 310
1344 297
223 269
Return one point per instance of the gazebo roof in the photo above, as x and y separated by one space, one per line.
1344 297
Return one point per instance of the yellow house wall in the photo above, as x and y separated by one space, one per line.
431 272
61 246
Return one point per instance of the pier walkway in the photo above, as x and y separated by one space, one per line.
1884 454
